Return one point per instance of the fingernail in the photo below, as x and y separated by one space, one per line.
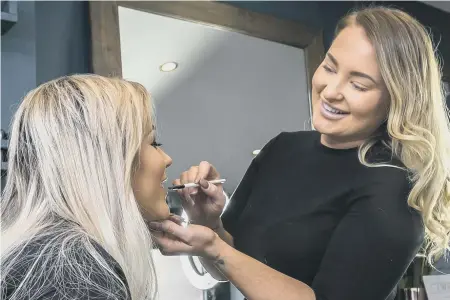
154 225
177 217
204 184
193 191
190 200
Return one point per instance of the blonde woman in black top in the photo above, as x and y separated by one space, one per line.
337 214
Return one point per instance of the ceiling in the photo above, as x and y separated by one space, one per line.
149 40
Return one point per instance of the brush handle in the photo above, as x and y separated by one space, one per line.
188 185
217 181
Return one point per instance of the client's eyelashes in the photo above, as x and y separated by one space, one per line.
156 144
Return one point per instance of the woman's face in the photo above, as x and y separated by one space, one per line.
149 178
350 100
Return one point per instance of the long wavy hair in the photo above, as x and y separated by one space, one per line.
73 151
417 128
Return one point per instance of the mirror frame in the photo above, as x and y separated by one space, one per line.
106 54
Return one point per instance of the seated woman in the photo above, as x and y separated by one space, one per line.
85 174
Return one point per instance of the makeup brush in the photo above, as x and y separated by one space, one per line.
188 185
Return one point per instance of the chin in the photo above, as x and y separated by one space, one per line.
162 213
166 212
157 211
321 125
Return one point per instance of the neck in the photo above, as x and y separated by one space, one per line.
334 143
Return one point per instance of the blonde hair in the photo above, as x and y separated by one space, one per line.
417 129
73 150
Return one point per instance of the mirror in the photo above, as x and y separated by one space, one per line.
224 82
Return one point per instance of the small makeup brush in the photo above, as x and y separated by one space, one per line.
188 185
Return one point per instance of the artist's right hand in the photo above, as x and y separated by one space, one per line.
204 204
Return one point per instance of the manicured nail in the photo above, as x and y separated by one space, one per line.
193 191
204 184
154 225
190 200
177 218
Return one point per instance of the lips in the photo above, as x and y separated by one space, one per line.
333 109
331 113
164 181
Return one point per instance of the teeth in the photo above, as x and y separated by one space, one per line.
330 109
162 182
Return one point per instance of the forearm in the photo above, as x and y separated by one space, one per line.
212 269
208 264
256 280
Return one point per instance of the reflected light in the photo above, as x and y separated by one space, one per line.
256 152
192 266
168 66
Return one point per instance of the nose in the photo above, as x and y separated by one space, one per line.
333 91
167 159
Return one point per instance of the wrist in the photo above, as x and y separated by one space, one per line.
216 226
217 250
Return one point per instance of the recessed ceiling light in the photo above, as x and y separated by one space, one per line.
168 66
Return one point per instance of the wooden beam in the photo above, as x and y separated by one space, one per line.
106 59
232 18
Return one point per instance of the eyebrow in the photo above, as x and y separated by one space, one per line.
353 73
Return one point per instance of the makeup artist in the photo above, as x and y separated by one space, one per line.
338 213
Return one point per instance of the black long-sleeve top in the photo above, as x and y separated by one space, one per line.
55 280
320 216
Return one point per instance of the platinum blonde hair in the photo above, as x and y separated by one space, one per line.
417 128
73 151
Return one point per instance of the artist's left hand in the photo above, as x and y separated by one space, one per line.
174 239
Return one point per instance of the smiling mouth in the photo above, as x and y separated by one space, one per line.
333 110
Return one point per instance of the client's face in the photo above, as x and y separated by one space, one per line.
148 181
349 97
